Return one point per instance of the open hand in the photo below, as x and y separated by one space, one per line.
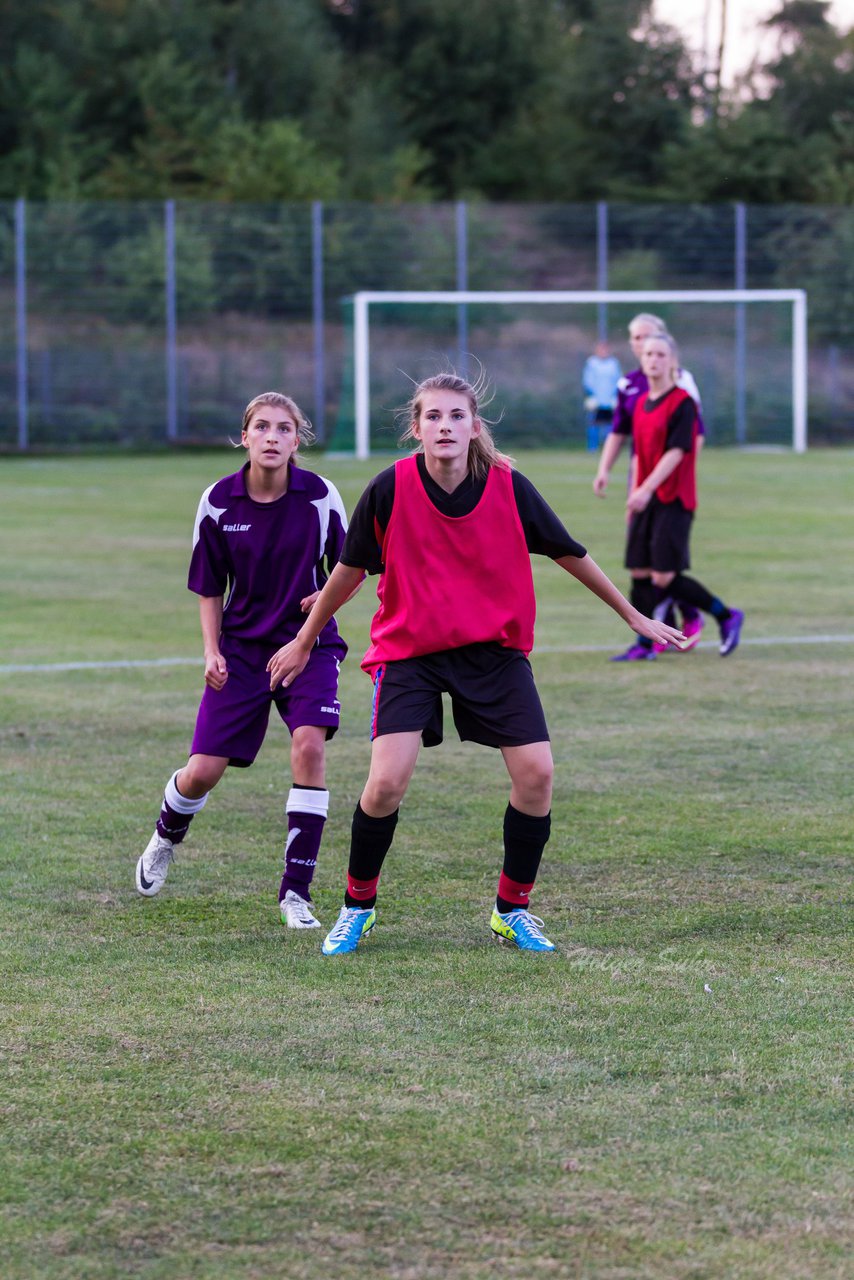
659 632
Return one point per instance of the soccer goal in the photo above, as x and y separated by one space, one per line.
746 347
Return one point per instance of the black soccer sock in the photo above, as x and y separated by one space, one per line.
370 841
693 592
642 596
663 597
525 838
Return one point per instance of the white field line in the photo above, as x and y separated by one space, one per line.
122 665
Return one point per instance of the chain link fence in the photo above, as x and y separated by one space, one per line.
144 324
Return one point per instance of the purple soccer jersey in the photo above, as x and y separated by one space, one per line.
265 557
633 385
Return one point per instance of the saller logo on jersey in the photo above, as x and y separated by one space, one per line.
236 528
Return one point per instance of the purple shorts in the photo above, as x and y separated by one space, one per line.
233 721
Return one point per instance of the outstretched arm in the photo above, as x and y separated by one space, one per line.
587 571
287 662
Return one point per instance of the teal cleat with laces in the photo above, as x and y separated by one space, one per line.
353 924
520 928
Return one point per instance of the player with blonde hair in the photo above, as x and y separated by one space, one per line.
630 387
450 530
662 501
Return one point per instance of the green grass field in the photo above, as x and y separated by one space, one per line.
188 1091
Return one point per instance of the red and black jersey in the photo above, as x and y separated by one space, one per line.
545 533
670 422
452 581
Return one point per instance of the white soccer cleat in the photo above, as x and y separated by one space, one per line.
296 912
153 866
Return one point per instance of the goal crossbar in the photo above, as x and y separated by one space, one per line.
362 301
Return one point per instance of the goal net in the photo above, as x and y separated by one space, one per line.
747 350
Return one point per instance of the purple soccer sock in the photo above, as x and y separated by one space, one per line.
306 808
177 812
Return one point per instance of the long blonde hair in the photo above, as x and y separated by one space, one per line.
482 451
279 400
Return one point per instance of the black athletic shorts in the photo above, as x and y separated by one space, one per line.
659 537
493 697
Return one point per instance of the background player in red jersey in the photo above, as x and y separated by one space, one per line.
663 499
265 538
450 530
629 389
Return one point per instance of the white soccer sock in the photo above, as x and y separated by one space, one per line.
307 800
181 804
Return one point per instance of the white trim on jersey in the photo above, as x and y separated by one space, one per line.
206 508
330 502
685 380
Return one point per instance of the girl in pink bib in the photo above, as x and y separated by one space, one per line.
450 531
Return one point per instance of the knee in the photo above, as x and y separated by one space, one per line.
535 786
308 761
662 580
383 793
199 776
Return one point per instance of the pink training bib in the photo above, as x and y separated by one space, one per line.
450 581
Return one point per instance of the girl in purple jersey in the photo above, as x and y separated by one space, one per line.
264 542
450 529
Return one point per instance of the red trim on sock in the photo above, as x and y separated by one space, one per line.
360 889
513 891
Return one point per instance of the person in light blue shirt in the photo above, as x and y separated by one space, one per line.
601 375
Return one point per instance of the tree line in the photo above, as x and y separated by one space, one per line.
413 100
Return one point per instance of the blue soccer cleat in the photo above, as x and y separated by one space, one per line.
353 924
520 928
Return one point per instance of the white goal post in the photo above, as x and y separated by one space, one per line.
363 301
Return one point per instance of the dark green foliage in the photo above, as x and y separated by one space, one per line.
382 101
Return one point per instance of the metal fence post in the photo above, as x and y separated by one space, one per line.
602 266
171 324
21 321
462 285
799 372
740 325
318 319
362 375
